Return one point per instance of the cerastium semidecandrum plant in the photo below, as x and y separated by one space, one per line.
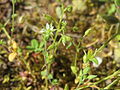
90 56
50 35
49 45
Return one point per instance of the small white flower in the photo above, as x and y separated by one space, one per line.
51 27
99 62
43 30
48 28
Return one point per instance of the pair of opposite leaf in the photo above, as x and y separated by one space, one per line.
112 19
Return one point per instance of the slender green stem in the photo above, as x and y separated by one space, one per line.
106 43
76 56
77 51
5 31
77 88
46 79
108 77
58 29
113 83
13 15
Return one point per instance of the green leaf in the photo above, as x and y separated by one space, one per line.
30 47
81 73
85 59
81 80
50 76
87 32
54 81
94 60
117 37
68 9
84 77
34 43
6 79
110 19
66 87
112 9
14 1
51 46
86 70
117 2
14 15
74 69
2 42
38 49
59 12
44 73
75 28
91 76
48 17
19 50
90 54
63 39
70 44
68 38
41 44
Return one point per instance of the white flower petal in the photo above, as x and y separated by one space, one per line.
47 26
99 62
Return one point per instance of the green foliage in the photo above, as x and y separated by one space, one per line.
41 60
110 19
49 18
69 45
35 46
2 42
89 57
87 32
112 9
94 60
48 31
44 74
117 2
91 76
118 37
14 1
65 39
86 70
68 8
59 11
66 87
74 69
84 75
75 28
54 82
6 79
